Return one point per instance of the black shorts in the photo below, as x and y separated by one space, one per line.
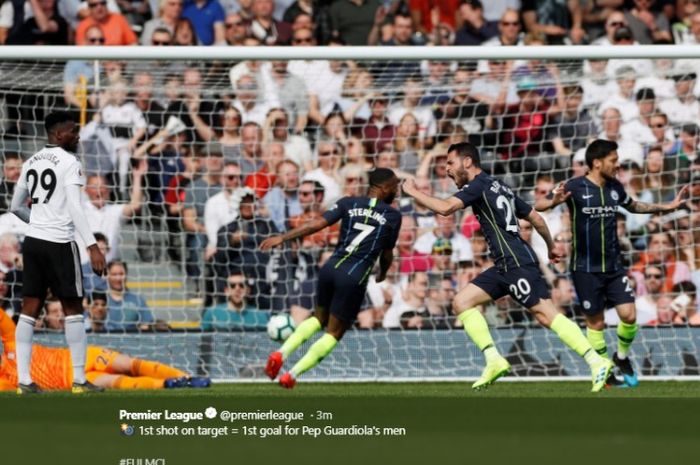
51 265
339 293
525 284
599 291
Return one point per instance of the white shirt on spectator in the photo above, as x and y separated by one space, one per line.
628 107
637 131
320 81
461 247
220 210
596 92
426 120
663 88
257 114
297 149
627 150
330 185
492 88
127 114
679 112
10 223
108 221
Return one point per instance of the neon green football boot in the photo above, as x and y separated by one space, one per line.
600 372
493 370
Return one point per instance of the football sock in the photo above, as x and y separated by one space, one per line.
23 340
304 331
154 369
597 340
625 335
137 382
77 343
478 330
571 335
317 352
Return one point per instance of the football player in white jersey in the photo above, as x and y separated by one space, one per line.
52 179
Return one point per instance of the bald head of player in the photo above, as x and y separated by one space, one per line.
602 159
62 130
463 163
383 184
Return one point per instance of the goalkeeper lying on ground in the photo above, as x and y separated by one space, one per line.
51 367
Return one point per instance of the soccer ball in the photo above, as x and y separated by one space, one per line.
280 327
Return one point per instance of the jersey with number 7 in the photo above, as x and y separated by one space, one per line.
498 209
368 227
45 176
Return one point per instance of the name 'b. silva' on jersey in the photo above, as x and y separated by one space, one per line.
594 218
498 209
45 176
368 226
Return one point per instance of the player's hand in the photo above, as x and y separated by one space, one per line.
559 194
97 260
680 197
555 256
409 187
271 243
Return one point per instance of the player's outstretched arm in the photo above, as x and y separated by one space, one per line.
443 207
303 230
558 196
541 227
18 206
385 260
643 207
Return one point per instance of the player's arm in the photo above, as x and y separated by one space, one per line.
18 206
443 207
385 260
301 231
556 197
635 206
541 227
77 214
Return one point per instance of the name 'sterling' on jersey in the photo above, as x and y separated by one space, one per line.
367 212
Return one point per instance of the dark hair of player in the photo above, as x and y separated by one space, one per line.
380 176
599 149
55 118
466 149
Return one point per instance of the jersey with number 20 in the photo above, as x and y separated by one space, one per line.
368 227
497 208
45 176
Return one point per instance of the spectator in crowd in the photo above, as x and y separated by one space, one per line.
661 250
659 183
265 27
197 112
377 131
184 33
230 136
495 88
614 21
222 208
249 154
558 21
354 180
352 20
96 312
207 17
684 153
425 218
11 169
52 318
684 305
623 100
174 198
289 90
402 31
429 14
196 196
571 129
311 195
169 12
439 303
136 12
639 127
44 25
597 85
236 29
266 177
92 282
78 70
322 99
611 125
441 255
508 30
562 244
106 217
250 102
687 31
126 311
446 228
410 303
646 304
115 26
296 147
328 157
475 28
663 134
411 260
11 267
544 185
407 144
412 92
563 295
236 312
299 8
684 107
282 201
647 26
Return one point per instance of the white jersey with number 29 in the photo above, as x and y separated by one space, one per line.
45 176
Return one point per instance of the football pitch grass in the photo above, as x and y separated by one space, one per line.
423 423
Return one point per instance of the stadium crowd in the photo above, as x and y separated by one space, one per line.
221 155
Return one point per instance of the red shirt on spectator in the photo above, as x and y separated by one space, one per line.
414 262
447 8
261 181
115 28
